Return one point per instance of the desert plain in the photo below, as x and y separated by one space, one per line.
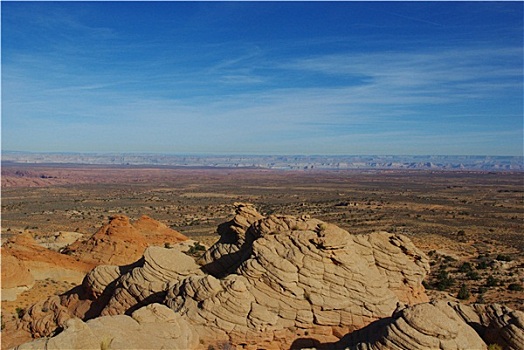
470 224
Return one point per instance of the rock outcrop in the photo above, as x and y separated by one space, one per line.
152 327
284 273
44 263
441 325
16 277
60 240
121 242
270 282
433 325
149 281
113 290
496 324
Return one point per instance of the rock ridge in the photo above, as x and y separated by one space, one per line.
271 282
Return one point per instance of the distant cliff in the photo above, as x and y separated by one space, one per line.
288 162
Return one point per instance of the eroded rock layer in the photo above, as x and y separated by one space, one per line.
271 282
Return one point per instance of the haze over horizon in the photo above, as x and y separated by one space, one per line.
410 78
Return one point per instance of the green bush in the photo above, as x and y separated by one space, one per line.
501 257
444 281
482 265
492 281
494 347
466 267
473 275
197 250
463 293
20 312
517 287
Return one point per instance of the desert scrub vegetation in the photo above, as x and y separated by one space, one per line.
463 293
516 287
196 250
20 312
444 281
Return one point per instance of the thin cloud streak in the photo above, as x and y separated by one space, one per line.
318 95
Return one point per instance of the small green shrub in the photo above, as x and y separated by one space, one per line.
502 257
482 265
517 287
196 250
492 281
466 267
449 259
494 347
463 293
473 276
444 281
20 312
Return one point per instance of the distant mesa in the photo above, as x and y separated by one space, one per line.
294 162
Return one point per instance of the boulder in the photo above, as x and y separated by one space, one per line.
433 325
152 327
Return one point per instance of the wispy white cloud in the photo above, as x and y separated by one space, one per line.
107 92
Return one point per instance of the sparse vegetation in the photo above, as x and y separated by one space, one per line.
492 281
494 347
473 276
466 267
463 293
444 281
482 265
405 202
502 257
516 287
196 250
20 312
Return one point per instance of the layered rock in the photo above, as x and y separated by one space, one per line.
44 263
152 327
113 290
433 325
148 282
273 282
121 242
441 325
59 240
16 277
233 246
496 324
299 273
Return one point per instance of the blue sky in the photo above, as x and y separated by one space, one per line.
263 77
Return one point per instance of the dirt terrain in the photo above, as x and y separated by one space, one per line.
470 224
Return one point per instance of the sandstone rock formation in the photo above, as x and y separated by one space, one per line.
441 325
121 242
59 240
284 273
269 282
424 326
16 277
112 290
496 324
268 279
152 327
44 263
